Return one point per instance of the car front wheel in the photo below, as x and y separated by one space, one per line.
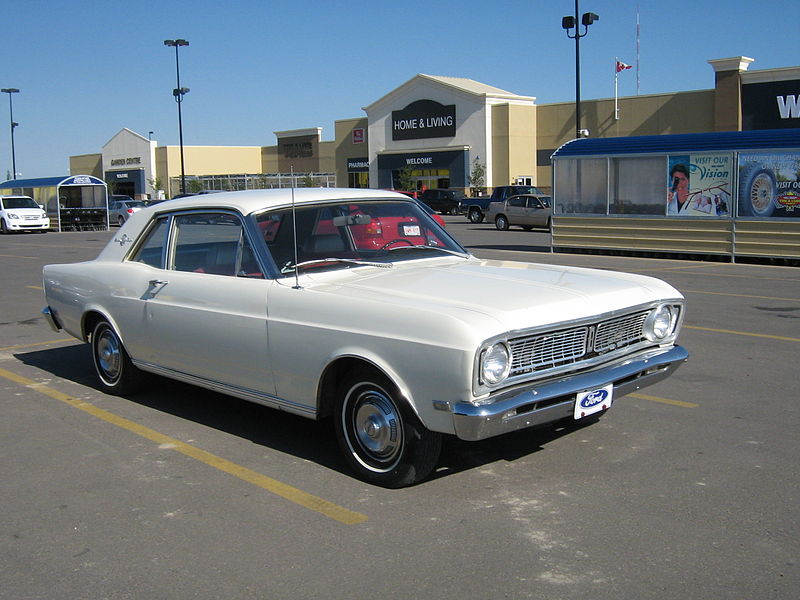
114 368
381 438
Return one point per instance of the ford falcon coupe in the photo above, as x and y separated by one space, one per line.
356 306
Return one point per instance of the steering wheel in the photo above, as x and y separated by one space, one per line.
394 241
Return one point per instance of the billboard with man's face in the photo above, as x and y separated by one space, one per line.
698 185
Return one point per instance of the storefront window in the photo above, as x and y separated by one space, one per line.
581 186
637 186
358 180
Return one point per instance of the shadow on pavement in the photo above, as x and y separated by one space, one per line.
280 431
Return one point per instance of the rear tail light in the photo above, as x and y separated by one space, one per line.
129 211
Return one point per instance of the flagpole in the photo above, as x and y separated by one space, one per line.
616 100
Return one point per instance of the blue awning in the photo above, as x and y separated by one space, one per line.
52 181
764 139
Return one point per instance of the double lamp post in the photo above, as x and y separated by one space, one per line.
178 93
568 23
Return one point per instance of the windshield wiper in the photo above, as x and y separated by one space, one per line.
424 247
289 267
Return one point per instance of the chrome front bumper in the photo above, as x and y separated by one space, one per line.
537 404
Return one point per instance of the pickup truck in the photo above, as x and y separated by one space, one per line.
477 207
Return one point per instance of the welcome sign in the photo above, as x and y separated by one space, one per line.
424 119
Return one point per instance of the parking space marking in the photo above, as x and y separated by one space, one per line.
34 287
663 400
742 296
31 345
757 335
17 256
288 492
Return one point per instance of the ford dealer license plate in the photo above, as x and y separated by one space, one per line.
593 401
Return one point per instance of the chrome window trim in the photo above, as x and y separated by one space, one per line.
246 223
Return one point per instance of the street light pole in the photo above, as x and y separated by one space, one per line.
10 91
178 93
568 23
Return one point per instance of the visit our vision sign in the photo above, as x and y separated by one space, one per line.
424 119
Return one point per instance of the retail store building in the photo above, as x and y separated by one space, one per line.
435 130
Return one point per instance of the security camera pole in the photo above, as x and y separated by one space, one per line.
568 23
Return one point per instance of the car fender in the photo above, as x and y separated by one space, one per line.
417 394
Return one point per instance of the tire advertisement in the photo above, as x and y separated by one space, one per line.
698 185
769 185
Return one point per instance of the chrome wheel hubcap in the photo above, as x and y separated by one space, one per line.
108 355
377 430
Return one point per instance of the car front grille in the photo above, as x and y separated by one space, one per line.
532 354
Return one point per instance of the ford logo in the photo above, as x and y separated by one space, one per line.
595 398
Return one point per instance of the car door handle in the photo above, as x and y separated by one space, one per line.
155 286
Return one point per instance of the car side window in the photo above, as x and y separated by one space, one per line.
534 203
213 243
517 201
151 251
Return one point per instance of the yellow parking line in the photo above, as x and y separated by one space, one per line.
292 494
742 296
664 400
34 287
758 335
61 341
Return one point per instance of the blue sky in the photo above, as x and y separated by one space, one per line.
88 68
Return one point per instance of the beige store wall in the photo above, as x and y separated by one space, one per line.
344 147
684 112
513 143
269 159
86 164
206 160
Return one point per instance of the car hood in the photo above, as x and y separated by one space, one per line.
500 295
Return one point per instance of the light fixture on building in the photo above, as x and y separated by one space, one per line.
569 23
178 93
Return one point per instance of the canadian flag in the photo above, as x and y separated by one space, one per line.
621 66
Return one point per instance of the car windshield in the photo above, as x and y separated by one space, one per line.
352 233
19 203
134 203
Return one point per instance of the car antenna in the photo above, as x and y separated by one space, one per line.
294 236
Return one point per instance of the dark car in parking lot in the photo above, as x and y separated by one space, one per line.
446 201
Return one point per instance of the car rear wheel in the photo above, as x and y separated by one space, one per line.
382 439
120 221
454 210
475 215
501 222
114 368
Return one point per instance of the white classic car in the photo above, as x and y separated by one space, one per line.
355 304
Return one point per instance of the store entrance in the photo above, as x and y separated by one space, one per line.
420 179
123 188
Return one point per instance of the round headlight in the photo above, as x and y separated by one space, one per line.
495 364
660 323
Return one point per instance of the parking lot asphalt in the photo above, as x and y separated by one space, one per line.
687 490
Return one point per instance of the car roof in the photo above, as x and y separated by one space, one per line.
249 201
